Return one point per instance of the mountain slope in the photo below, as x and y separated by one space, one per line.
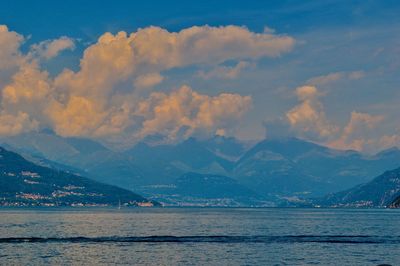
86 156
395 203
228 148
25 183
162 164
294 166
380 192
189 154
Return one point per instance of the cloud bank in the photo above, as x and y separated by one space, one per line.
112 93
308 120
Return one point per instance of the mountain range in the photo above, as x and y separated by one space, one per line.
382 191
276 171
23 183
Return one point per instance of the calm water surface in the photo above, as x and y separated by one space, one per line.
195 236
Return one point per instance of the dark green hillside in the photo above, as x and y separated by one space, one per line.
23 183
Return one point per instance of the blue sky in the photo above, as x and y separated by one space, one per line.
89 19
347 50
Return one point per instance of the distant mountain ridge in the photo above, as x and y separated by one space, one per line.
283 169
23 183
382 191
297 167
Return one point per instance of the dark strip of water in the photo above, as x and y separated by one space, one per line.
344 239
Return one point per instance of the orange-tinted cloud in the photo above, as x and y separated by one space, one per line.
185 109
105 98
309 118
10 42
51 48
354 134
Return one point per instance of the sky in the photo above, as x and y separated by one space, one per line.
120 71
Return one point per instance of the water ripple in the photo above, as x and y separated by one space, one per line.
344 239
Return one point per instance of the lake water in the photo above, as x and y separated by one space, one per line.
195 236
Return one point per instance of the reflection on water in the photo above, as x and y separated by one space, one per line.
190 236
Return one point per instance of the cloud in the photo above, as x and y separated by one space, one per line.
10 55
112 94
148 80
356 75
308 118
78 117
29 84
336 76
23 100
25 89
224 72
305 93
208 45
187 112
51 48
322 80
388 141
104 65
122 57
15 124
105 97
355 134
10 41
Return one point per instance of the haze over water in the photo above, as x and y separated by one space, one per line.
188 236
